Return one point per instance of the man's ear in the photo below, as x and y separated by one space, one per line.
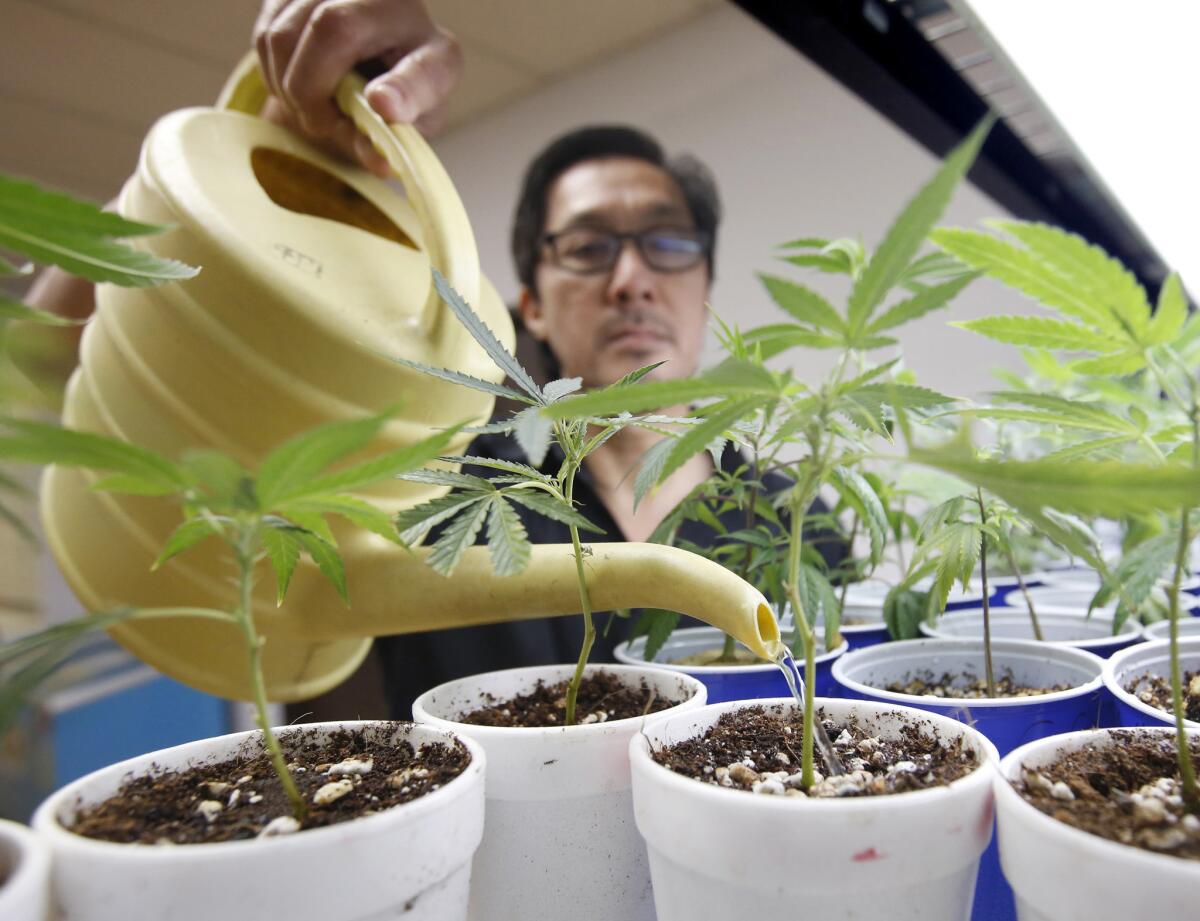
531 314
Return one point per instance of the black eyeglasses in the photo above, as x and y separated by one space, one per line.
589 250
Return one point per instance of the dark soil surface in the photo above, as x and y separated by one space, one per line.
757 750
966 686
341 776
1127 792
1155 690
603 696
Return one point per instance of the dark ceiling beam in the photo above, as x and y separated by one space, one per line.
873 49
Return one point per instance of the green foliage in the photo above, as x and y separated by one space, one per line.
55 229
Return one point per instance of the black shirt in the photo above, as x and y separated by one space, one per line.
414 663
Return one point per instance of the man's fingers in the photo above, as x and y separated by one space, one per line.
338 35
276 33
415 89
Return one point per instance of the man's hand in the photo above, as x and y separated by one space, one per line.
307 46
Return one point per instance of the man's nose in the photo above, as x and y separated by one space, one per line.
631 279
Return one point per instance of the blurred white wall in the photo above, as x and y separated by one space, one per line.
795 154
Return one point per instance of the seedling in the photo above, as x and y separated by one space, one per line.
272 516
476 500
829 426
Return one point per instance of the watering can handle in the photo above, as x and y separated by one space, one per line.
445 230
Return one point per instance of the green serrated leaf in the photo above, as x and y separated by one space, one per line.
1088 268
804 243
803 304
534 433
356 511
488 341
1141 569
717 420
858 493
459 534
464 380
414 523
1087 421
636 375
188 534
450 478
1020 269
327 559
732 377
38 443
906 395
831 265
523 470
95 258
313 522
657 626
908 232
925 301
508 544
27 203
384 467
283 546
650 469
1095 448
290 468
1043 333
556 390
1111 365
779 337
551 507
1081 487
903 610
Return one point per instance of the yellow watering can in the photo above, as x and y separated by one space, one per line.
311 269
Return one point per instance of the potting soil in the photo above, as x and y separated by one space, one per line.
967 686
1155 690
341 776
759 750
1127 792
603 696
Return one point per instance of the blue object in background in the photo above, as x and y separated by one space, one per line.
101 707
727 682
1007 726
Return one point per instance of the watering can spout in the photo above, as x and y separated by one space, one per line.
396 592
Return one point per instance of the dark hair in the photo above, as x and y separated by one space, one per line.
694 179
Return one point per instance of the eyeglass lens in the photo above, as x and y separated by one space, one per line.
586 249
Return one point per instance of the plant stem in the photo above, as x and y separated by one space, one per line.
806 635
244 550
730 647
1187 774
585 601
987 614
1033 618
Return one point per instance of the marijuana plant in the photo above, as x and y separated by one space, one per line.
1103 327
476 500
829 425
271 516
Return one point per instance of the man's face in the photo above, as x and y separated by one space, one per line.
602 326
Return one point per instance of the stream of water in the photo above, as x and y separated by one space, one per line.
791 673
